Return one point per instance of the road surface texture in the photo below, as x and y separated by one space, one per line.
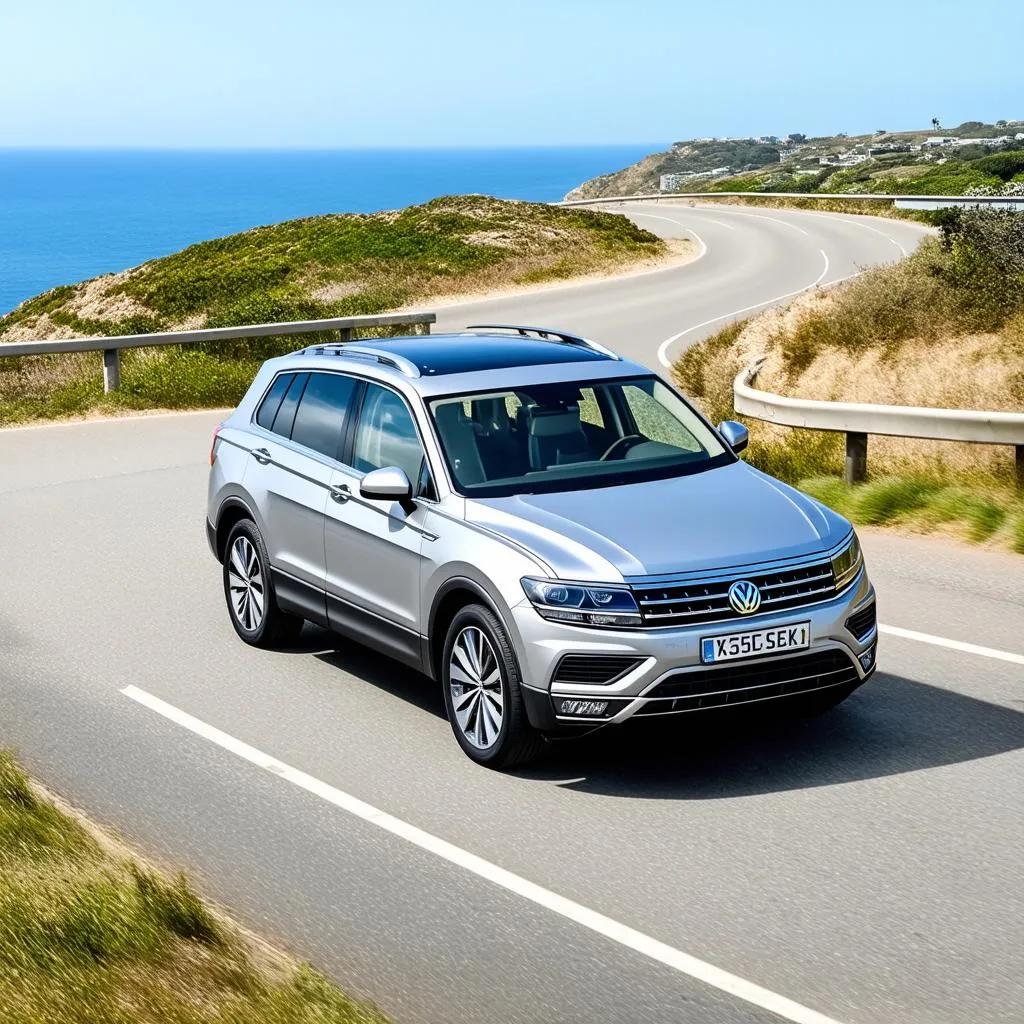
864 867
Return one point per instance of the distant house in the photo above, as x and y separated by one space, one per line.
680 179
935 141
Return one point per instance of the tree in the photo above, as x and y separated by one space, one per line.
880 131
1001 123
796 137
935 123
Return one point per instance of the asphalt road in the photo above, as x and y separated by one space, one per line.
865 865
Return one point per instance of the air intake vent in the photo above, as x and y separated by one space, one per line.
594 669
861 623
745 684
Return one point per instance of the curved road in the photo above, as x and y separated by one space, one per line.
862 868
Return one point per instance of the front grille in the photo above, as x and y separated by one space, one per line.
742 684
861 623
594 669
679 603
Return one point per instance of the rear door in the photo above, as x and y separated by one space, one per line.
373 547
294 453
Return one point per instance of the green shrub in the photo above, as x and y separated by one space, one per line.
891 497
1002 165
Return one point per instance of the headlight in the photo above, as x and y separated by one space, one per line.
847 563
586 605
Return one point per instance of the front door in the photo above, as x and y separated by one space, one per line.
373 548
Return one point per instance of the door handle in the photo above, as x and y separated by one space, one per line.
261 455
340 494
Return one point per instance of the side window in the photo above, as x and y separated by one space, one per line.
321 412
272 401
590 411
386 434
286 413
656 423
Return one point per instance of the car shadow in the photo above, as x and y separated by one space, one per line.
371 667
891 726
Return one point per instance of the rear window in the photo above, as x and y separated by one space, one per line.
272 401
321 413
286 413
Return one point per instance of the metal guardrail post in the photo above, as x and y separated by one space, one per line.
347 334
1018 459
856 457
111 369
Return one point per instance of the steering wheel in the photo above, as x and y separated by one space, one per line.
619 442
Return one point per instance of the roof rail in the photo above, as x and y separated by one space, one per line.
548 335
347 349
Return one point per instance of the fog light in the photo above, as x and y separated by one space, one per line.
867 659
575 706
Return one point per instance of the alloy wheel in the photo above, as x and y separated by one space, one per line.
246 584
477 690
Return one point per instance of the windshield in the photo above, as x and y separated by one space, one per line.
572 435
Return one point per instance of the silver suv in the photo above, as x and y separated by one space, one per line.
550 531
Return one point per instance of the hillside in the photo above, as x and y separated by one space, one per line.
339 265
936 161
318 267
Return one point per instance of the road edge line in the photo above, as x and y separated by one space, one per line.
624 935
954 645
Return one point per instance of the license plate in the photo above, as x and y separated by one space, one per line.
755 642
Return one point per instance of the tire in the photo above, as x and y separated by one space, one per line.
488 718
819 703
249 591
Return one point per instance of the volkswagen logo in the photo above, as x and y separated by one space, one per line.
744 597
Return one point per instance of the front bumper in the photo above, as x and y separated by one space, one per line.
664 672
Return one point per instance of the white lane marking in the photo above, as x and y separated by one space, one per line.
762 216
859 224
721 224
955 645
664 346
576 912
700 241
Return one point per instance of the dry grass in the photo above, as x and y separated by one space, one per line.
89 936
902 335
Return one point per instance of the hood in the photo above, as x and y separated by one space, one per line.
731 516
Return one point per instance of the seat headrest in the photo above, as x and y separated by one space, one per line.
553 422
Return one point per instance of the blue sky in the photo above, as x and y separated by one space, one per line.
332 73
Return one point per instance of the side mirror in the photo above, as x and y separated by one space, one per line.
735 433
387 484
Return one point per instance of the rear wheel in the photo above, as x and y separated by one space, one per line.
483 692
249 591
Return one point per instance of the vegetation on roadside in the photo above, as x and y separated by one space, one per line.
318 267
88 936
943 328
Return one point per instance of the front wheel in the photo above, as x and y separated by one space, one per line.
249 591
483 692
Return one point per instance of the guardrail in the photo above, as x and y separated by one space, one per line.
111 347
1012 202
858 420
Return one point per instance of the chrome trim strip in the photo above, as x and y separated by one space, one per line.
742 689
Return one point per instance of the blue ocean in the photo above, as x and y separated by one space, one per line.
69 214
